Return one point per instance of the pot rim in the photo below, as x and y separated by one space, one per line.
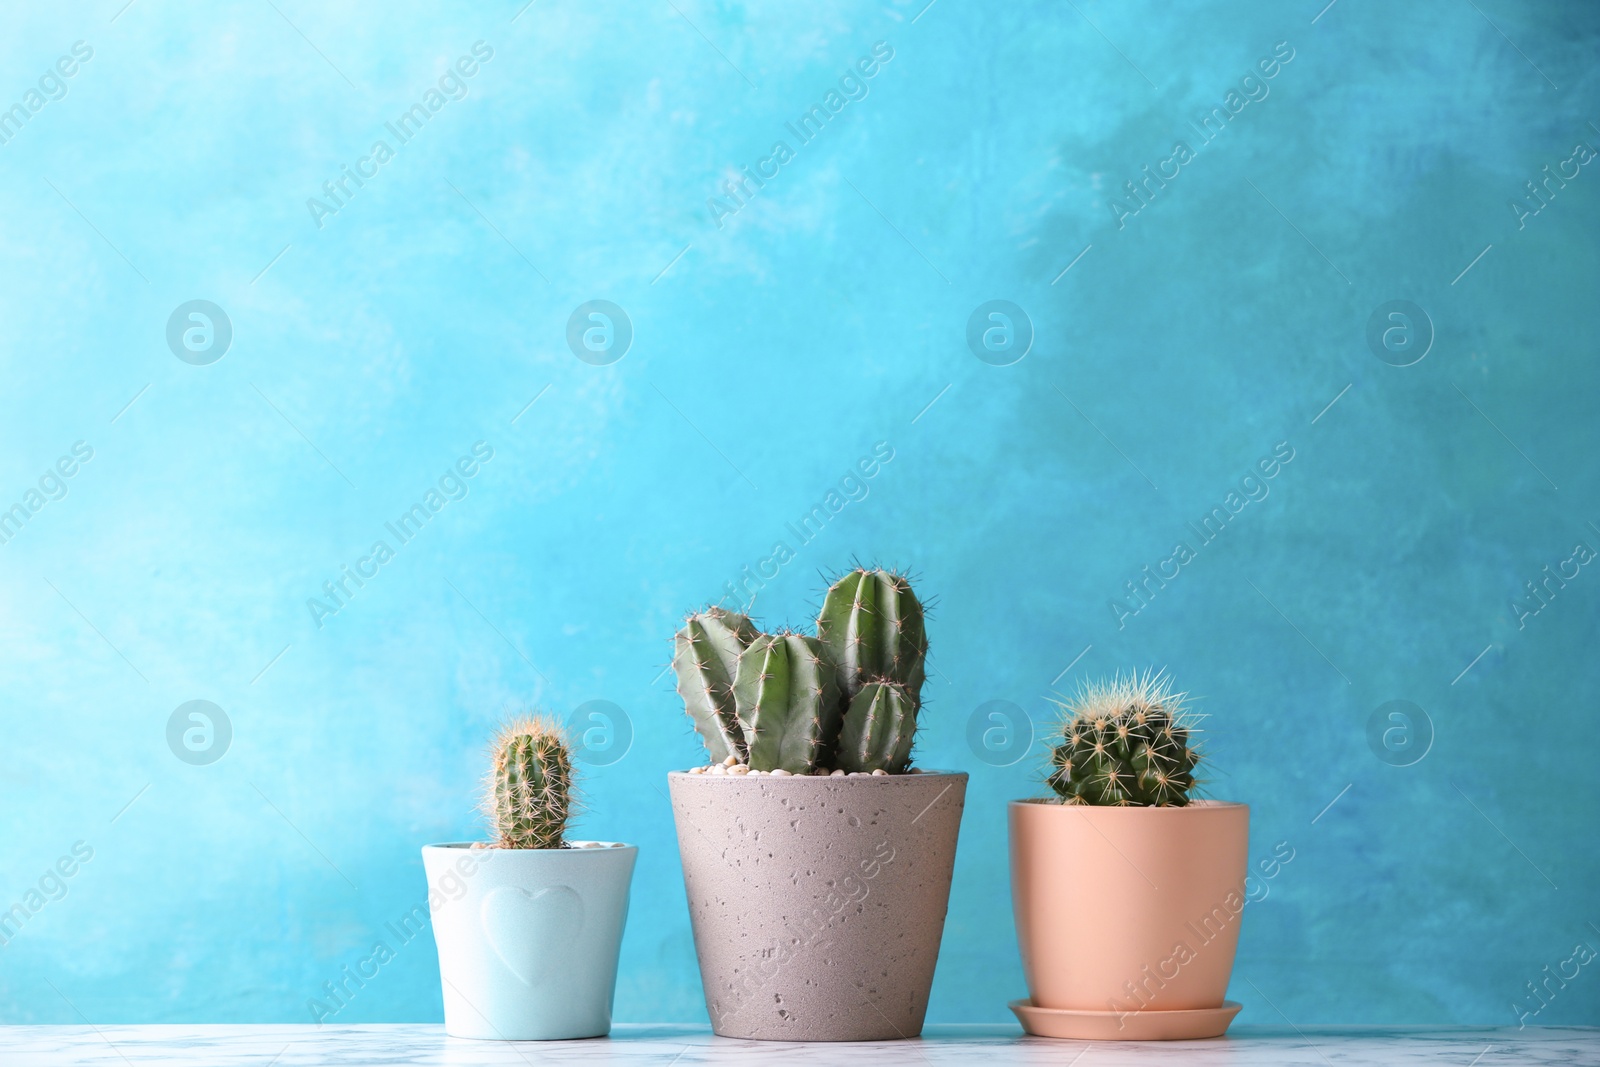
604 846
818 777
1200 804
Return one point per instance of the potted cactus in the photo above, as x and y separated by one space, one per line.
528 925
1127 890
816 859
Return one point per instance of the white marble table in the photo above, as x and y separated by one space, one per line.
684 1046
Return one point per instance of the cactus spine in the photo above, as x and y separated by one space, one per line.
878 729
705 657
529 794
873 623
786 693
1126 743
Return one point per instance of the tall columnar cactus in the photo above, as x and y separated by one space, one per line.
1125 743
529 794
878 728
786 693
873 623
705 657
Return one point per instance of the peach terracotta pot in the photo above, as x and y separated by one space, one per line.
1124 910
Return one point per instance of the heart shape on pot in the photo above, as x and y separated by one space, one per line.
524 928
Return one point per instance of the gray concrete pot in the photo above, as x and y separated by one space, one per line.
817 903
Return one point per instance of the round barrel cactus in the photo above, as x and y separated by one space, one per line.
1126 743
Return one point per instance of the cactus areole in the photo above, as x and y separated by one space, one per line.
845 700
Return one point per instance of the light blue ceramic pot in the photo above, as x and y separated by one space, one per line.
528 938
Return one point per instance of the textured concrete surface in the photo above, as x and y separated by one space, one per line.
818 903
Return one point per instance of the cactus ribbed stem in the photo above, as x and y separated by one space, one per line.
529 794
787 695
878 729
873 622
778 702
705 657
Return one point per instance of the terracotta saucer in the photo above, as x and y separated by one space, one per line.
1125 1026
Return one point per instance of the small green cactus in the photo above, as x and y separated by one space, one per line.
873 623
845 700
786 693
1125 743
878 728
705 657
529 794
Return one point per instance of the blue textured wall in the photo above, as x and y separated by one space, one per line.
777 338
